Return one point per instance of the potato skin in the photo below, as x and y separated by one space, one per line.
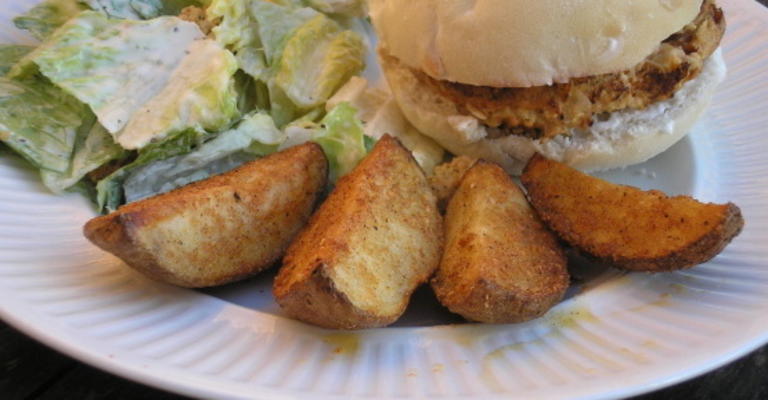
221 229
375 239
316 300
500 263
624 226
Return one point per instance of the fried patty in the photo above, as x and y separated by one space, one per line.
548 111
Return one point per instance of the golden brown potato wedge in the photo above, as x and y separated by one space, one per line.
624 226
220 229
371 243
446 178
500 263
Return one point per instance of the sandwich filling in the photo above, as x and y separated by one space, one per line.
544 112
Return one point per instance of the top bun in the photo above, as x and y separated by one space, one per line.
522 43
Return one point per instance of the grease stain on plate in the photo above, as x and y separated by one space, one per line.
346 344
571 317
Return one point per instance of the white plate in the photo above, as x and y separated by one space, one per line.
616 335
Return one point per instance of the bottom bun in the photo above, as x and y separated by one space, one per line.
623 138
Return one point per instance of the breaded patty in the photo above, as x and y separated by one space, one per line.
548 111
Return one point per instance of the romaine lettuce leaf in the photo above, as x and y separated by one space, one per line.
353 8
42 19
128 9
10 54
39 121
110 189
317 59
282 109
251 94
276 23
256 135
380 114
199 95
101 60
255 30
341 138
94 147
144 80
300 55
237 30
174 7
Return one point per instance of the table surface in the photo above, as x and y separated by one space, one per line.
30 370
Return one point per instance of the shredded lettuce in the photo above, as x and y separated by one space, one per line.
41 20
39 121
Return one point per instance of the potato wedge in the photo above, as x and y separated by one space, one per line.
447 176
624 226
500 263
372 242
220 229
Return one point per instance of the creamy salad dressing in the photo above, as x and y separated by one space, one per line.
145 65
181 101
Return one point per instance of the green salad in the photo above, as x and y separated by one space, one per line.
126 99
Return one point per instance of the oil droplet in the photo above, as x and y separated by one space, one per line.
637 357
677 288
650 344
466 335
499 352
343 343
663 300
571 317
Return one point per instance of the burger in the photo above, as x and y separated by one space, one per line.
596 84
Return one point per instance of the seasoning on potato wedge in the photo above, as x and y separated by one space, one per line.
500 263
375 239
221 229
624 226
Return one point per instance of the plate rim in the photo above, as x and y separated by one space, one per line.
26 325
